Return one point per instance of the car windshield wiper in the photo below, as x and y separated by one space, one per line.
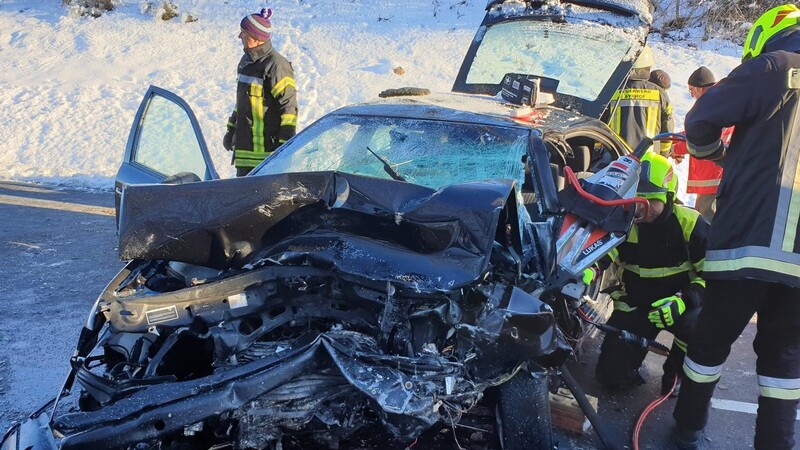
387 168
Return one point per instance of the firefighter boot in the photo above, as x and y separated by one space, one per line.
686 439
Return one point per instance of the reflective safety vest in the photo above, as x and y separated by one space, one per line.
704 176
756 229
265 115
640 109
660 259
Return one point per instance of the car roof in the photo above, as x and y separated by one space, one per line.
467 108
641 8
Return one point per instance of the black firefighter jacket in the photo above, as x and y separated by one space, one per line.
265 115
660 259
755 233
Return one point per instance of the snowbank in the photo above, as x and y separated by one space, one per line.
70 85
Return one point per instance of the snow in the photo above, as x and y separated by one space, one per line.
70 85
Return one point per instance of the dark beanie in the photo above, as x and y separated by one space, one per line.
702 77
257 25
661 78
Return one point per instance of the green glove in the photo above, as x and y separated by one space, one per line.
665 311
588 276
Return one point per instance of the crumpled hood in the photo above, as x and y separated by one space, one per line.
381 229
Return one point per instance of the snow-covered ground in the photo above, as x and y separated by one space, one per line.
70 85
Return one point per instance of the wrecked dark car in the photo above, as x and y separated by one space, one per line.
389 271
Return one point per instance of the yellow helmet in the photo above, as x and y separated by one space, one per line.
768 25
645 58
657 178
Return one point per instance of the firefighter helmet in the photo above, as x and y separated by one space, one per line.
768 25
645 58
657 178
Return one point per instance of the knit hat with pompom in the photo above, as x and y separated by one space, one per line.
257 25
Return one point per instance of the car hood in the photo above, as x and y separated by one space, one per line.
580 50
380 229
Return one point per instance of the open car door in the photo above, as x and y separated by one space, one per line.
165 145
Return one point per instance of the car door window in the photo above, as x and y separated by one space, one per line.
167 142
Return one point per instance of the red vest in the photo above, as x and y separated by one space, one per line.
704 175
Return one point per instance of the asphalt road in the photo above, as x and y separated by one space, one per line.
58 252
59 249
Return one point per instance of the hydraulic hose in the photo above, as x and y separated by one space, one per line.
643 342
650 408
573 180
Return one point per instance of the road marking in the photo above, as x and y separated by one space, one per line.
732 405
23 244
50 204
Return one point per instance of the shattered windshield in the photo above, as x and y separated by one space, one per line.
424 152
581 56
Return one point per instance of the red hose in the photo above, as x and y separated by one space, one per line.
572 179
650 408
583 314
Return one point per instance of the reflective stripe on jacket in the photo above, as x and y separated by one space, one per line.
660 259
756 229
640 109
265 115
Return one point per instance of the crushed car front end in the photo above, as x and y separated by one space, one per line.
345 305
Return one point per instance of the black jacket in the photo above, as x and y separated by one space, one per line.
661 259
756 230
266 105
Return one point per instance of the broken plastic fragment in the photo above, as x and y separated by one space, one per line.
449 383
237 300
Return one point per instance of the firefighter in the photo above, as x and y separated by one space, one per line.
265 115
753 258
659 267
641 108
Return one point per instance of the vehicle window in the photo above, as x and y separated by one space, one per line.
167 142
425 152
581 57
